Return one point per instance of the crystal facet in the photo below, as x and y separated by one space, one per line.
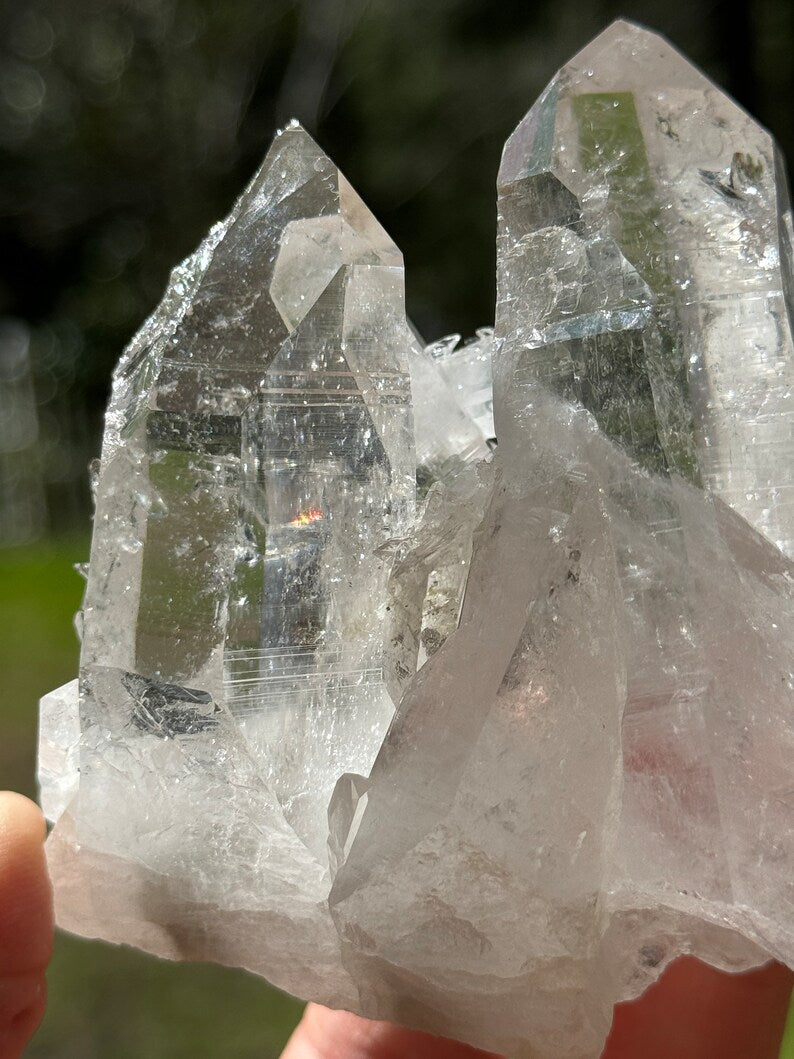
474 737
644 264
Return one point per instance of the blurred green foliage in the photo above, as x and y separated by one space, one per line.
39 594
787 1044
107 1002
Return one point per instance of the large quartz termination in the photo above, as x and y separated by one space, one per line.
258 476
477 743
595 772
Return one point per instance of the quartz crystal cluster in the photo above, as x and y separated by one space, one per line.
475 736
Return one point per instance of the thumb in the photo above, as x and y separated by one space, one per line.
25 922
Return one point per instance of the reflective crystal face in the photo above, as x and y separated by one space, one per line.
259 458
645 260
476 737
644 272
259 455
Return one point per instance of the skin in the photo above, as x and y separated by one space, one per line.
693 1012
25 922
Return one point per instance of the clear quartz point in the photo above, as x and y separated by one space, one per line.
593 774
473 737
468 369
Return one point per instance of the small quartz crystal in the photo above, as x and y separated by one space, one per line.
476 737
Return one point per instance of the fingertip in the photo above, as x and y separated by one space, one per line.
20 818
23 999
26 920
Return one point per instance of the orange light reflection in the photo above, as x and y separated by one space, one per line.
305 518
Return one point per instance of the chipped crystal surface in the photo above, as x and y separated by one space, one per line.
475 737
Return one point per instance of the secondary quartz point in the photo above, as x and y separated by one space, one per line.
645 270
258 471
468 369
259 453
474 741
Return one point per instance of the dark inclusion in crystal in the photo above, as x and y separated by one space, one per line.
169 710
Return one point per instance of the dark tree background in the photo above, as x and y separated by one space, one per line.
127 127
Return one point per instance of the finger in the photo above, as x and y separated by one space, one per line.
26 927
693 1012
697 1012
327 1034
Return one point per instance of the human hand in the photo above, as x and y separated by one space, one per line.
692 1012
26 926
